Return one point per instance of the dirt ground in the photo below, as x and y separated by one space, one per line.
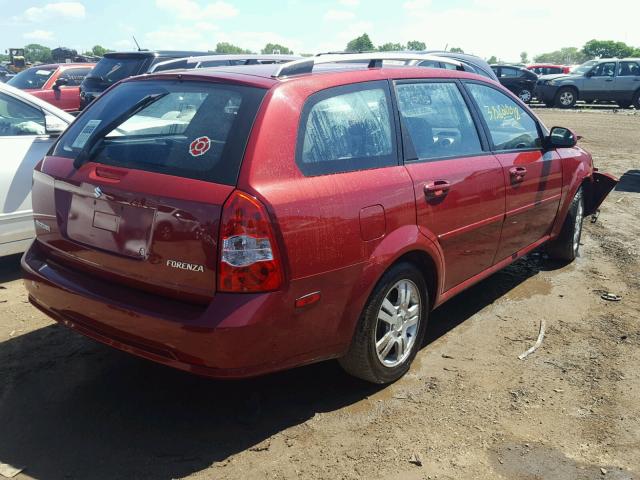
469 408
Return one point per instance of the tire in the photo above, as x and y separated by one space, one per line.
380 320
566 97
565 248
636 100
525 95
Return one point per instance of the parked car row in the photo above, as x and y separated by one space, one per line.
258 217
616 80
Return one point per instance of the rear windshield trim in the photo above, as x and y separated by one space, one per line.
232 154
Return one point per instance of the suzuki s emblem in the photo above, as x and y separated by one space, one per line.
97 192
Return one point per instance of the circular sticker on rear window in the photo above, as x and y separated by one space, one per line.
200 146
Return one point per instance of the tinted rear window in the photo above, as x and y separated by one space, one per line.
111 70
188 129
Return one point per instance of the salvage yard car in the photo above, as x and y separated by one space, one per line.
115 66
28 128
519 80
613 79
324 212
57 84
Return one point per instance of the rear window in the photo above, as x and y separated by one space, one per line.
111 69
189 129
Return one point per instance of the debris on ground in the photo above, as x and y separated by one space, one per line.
611 297
524 355
416 460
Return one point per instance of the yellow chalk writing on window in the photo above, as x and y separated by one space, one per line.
503 112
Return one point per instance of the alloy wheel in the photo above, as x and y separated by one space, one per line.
398 323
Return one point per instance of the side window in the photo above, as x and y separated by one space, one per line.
436 121
430 64
629 69
554 70
19 118
510 126
607 69
347 128
171 65
509 72
75 76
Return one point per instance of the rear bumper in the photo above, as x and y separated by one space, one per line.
232 337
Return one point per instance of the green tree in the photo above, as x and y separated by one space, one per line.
99 50
225 47
524 57
360 44
456 50
270 48
34 52
606 49
391 47
492 59
564 56
416 45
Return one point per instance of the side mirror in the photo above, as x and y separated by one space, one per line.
561 137
61 82
53 125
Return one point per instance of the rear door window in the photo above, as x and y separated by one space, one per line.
629 69
188 129
347 128
436 122
510 126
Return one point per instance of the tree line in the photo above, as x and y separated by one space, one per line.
36 53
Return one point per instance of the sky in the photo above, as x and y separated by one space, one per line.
503 28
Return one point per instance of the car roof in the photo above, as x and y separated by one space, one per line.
156 53
263 76
35 101
53 66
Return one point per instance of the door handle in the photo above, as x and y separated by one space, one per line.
436 189
517 174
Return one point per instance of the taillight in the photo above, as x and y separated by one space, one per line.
249 260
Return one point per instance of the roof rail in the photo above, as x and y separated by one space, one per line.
374 59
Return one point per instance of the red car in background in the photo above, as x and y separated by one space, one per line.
58 84
548 68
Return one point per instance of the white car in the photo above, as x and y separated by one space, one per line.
28 127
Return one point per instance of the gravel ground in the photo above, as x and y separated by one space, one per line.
469 408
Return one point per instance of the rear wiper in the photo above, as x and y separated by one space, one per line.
89 148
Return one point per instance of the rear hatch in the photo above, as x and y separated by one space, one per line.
133 190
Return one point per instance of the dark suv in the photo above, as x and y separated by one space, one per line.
119 65
519 80
612 79
241 220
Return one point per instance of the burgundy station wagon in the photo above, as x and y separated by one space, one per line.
241 220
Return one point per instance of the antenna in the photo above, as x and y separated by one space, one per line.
137 44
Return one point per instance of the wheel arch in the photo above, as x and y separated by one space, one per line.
404 244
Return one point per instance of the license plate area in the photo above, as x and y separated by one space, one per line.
112 226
